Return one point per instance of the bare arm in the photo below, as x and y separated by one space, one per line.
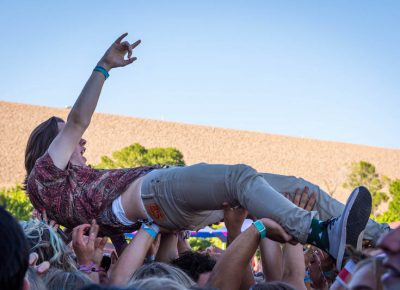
168 249
132 258
228 272
183 244
294 267
234 218
64 144
271 258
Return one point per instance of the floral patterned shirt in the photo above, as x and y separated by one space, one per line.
78 194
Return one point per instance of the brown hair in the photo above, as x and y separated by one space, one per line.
39 141
377 269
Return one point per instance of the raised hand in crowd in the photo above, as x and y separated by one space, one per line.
183 243
88 249
40 269
303 198
133 256
42 216
233 218
115 55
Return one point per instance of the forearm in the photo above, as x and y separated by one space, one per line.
183 246
168 250
294 267
228 272
86 103
132 258
248 277
271 258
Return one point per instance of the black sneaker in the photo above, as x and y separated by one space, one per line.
348 228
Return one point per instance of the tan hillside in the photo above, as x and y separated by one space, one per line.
321 162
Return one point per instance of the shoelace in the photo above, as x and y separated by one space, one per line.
331 222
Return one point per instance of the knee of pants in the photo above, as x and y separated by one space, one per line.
243 170
239 175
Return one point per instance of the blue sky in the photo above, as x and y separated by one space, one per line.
326 70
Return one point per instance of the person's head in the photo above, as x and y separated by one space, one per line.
197 265
161 270
390 244
56 279
49 246
40 140
156 283
14 253
367 274
272 286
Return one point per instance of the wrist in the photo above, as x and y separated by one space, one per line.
260 227
84 261
87 267
151 229
104 65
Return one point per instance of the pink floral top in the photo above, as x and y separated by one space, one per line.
78 194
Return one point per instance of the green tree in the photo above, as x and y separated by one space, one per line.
16 202
393 212
364 173
137 155
200 244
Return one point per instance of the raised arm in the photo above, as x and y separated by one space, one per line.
63 146
230 268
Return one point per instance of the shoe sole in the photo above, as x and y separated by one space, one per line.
355 219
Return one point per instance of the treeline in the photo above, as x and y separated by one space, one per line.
383 189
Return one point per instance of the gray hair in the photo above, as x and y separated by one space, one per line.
157 283
57 279
162 270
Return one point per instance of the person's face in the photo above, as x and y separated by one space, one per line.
390 244
77 157
363 278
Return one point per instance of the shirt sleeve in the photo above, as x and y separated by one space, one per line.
47 170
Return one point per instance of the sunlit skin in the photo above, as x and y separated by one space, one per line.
390 244
77 157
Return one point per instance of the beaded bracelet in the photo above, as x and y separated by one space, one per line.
88 268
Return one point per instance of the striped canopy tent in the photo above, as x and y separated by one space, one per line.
209 232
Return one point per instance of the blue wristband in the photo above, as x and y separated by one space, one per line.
102 70
151 231
261 228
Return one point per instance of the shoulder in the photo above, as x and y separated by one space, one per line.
44 168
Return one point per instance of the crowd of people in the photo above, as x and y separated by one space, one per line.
75 239
37 254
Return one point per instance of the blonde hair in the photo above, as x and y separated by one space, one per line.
44 241
157 283
162 270
377 270
57 279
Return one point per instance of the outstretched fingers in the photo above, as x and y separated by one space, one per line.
119 39
135 44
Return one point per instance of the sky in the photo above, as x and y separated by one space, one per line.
327 70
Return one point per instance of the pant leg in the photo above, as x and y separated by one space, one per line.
326 206
188 195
